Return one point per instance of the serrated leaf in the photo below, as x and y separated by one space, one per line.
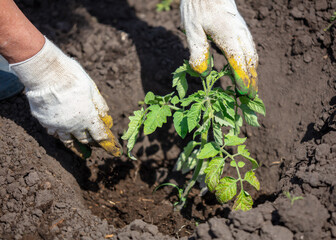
167 97
245 153
249 115
213 172
241 164
230 109
205 127
156 117
194 115
180 81
243 202
226 189
218 134
209 150
149 97
238 124
135 122
183 162
175 100
195 97
233 140
190 162
180 123
227 98
233 163
222 120
252 179
133 130
256 105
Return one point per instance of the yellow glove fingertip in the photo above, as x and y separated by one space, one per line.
201 65
110 146
107 119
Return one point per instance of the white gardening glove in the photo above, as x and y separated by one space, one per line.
222 23
65 100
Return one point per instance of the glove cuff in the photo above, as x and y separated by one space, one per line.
33 72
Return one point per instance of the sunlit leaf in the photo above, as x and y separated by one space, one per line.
133 130
213 172
226 189
181 123
243 201
245 153
209 150
194 115
233 140
156 117
252 179
249 115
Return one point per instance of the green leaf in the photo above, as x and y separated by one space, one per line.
241 164
155 118
249 115
243 202
186 161
164 5
233 163
252 179
205 127
222 120
218 134
181 123
209 150
227 98
190 162
256 105
133 130
180 81
194 115
195 97
226 189
245 153
238 124
213 172
175 100
230 109
149 97
233 140
167 97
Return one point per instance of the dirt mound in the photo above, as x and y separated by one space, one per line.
129 49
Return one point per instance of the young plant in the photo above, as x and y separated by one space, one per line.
332 20
204 114
292 198
164 5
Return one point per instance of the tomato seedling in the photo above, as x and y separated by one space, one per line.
204 114
164 5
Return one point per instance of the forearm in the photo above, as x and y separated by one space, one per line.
19 39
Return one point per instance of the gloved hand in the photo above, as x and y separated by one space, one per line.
221 21
65 100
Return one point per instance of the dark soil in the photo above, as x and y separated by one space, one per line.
129 49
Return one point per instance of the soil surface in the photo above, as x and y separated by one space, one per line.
129 49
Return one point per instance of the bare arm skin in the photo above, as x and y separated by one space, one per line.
19 38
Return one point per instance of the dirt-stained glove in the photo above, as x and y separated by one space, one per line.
65 100
222 23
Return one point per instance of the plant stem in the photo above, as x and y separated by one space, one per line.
179 206
204 140
173 107
236 113
237 168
